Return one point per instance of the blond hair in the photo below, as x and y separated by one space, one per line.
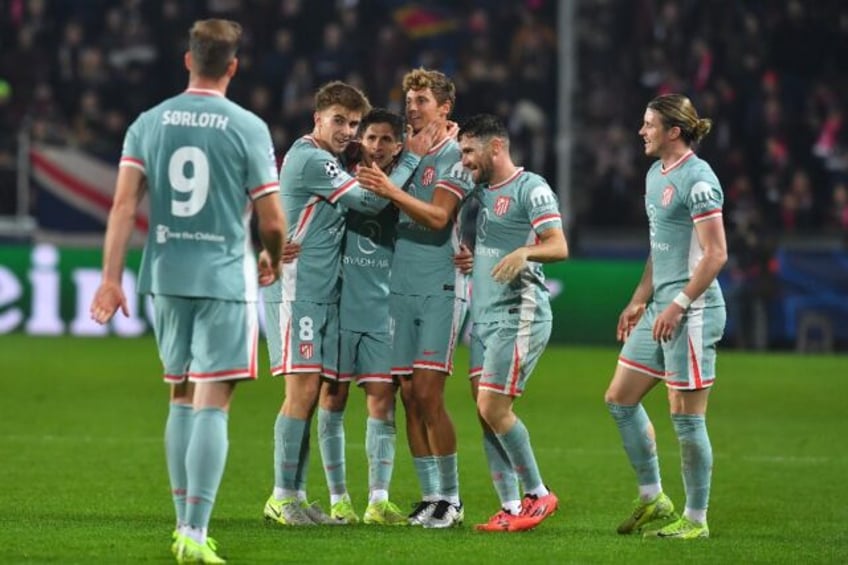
440 85
678 110
213 44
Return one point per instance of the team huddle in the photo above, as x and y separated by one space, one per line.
366 279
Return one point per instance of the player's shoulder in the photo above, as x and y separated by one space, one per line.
446 152
696 170
655 168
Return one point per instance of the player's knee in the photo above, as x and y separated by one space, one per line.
492 413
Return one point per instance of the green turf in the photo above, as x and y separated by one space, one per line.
82 472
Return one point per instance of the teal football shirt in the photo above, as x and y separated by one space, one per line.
511 215
676 199
205 158
423 260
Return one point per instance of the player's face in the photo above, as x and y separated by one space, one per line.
379 145
335 127
477 158
653 134
422 108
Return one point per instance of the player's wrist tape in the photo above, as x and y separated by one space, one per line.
682 300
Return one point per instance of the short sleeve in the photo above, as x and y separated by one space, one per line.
262 176
705 199
132 154
456 179
542 208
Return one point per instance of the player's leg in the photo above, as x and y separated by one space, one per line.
291 329
691 362
640 367
404 339
373 370
331 433
503 475
511 353
440 322
224 351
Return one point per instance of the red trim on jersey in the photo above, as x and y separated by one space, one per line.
638 366
174 378
475 372
511 178
311 140
707 215
80 188
705 383
254 352
132 160
546 218
453 189
677 163
438 146
265 188
304 218
286 345
334 197
401 370
204 92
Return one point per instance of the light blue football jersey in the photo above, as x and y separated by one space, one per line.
423 260
205 159
369 244
511 215
317 192
676 199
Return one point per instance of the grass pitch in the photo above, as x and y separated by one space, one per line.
83 479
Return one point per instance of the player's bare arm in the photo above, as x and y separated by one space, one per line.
272 234
714 244
130 189
636 307
551 247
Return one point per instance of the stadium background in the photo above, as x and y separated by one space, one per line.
570 79
82 477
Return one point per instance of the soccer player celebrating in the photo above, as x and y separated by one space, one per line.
518 228
427 301
674 320
302 308
204 160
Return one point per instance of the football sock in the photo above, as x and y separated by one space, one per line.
380 447
177 436
303 458
205 459
696 455
516 444
639 444
288 436
448 478
331 439
428 476
500 469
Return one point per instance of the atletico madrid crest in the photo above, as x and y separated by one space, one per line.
502 205
428 175
667 195
306 350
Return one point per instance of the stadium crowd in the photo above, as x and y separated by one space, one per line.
768 73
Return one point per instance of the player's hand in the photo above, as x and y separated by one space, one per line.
631 314
667 322
510 266
108 298
420 143
291 251
374 179
268 271
464 260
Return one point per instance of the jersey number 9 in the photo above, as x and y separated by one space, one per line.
196 185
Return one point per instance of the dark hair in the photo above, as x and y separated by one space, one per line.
213 44
678 110
347 96
383 116
484 127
